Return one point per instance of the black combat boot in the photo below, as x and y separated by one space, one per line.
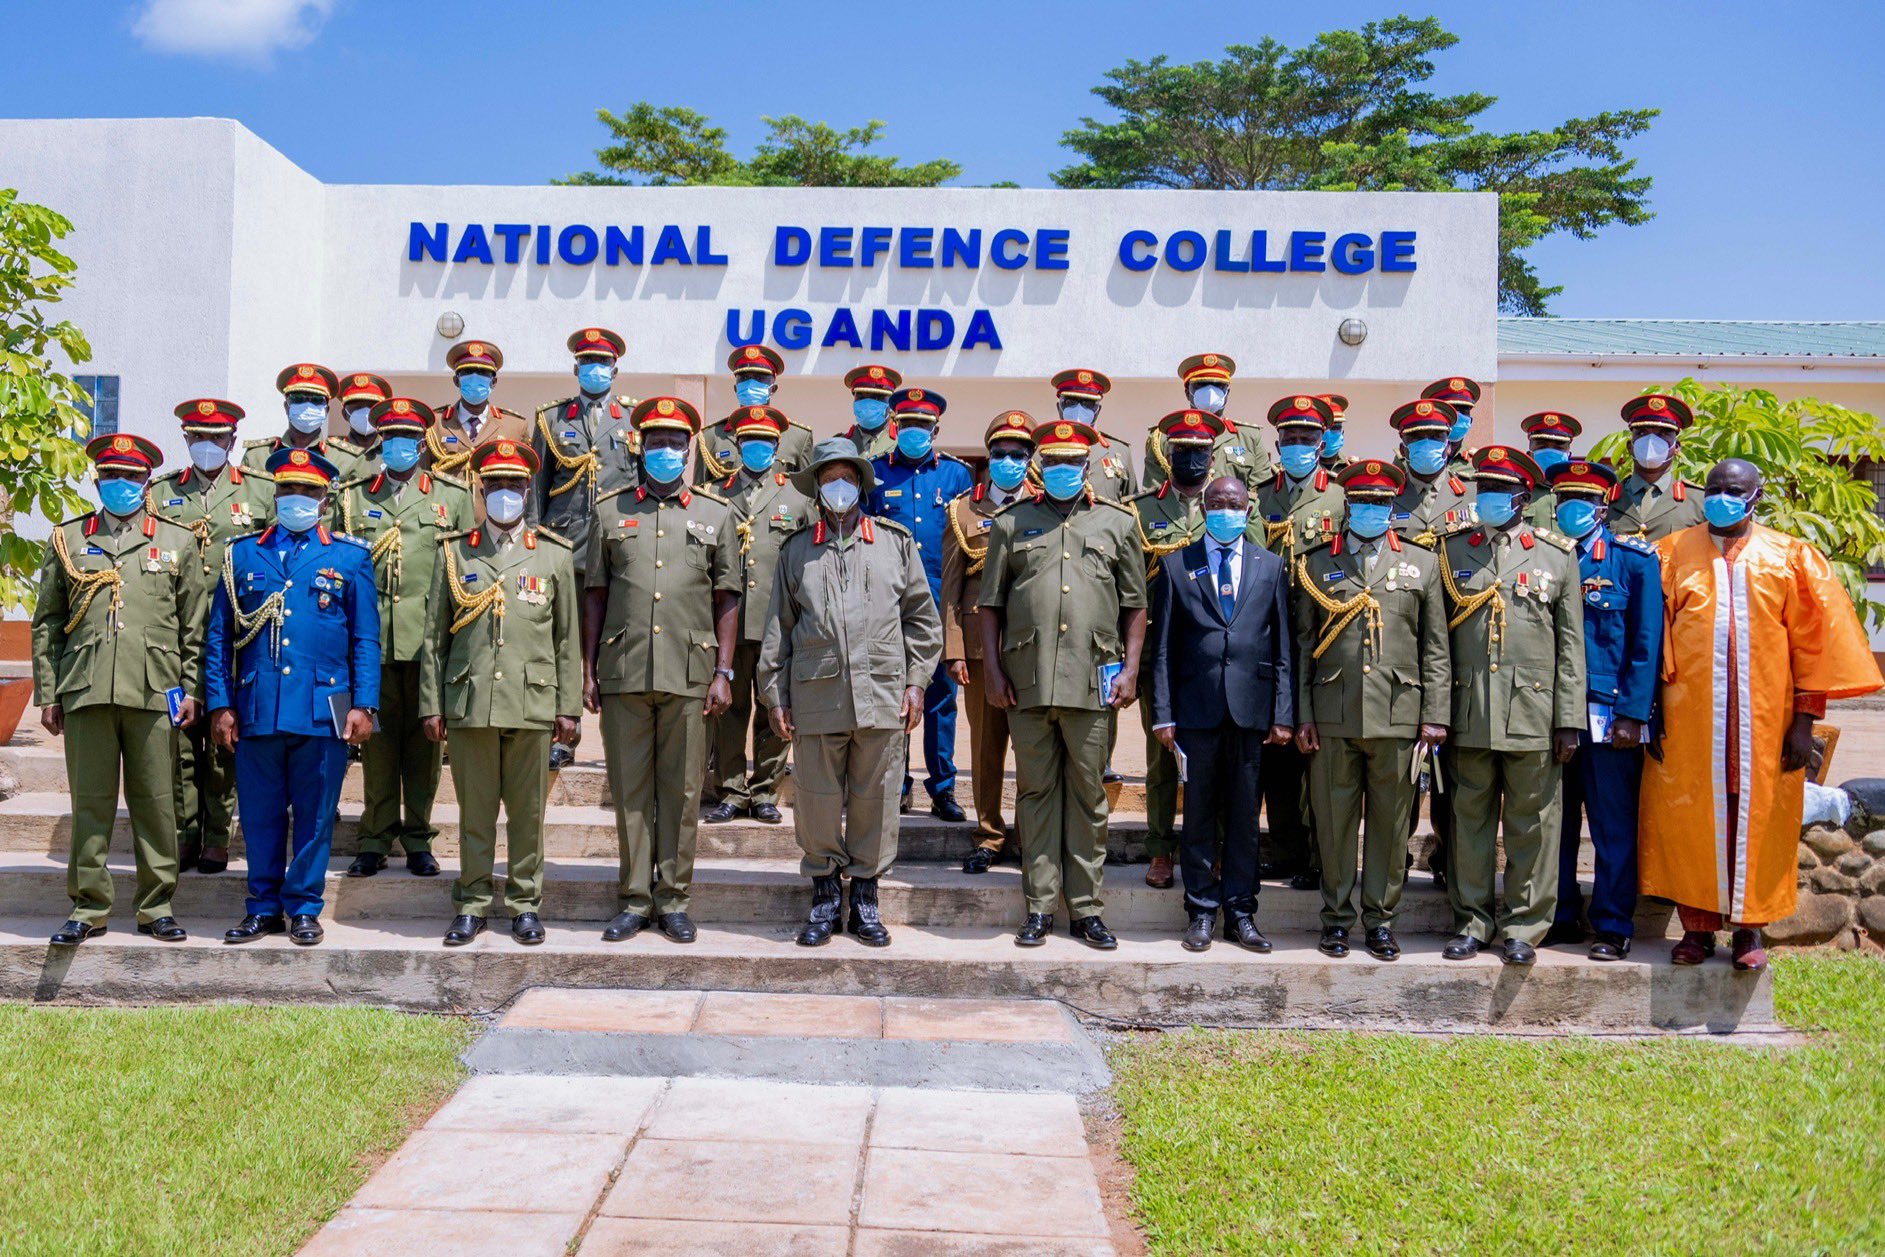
864 921
827 894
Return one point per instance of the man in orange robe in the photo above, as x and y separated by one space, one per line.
1760 634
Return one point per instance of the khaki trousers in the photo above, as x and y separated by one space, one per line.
988 761
846 808
727 781
399 764
656 748
1060 805
99 741
1525 789
489 767
1350 778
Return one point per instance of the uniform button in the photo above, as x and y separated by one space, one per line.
752 584
497 676
1066 589
286 642
657 595
288 584
919 545
657 628
1063 628
286 612
284 669
1367 667
657 562
919 519
1066 554
661 532
1495 667
395 597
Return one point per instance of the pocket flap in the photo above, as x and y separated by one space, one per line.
815 667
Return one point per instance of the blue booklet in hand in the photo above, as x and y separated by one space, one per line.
1109 673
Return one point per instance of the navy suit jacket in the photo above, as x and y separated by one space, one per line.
1207 669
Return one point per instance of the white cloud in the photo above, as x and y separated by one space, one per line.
247 29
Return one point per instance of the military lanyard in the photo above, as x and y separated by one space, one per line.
85 586
1341 613
471 606
250 624
1470 603
583 467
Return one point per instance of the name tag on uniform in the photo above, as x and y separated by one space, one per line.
376 514
1276 519
1033 532
93 550
1462 574
450 439
173 501
253 579
726 452
630 523
1237 451
1329 577
571 436
1200 573
1403 515
471 578
987 524
893 493
1161 525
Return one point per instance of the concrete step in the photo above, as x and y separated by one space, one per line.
1149 979
730 892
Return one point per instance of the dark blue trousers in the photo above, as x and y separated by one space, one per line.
1601 782
939 735
287 785
1226 767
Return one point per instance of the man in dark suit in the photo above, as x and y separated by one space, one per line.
1221 689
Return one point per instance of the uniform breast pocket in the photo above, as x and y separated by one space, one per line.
1325 699
698 553
163 666
1530 713
75 667
1404 696
1097 555
816 681
458 690
1020 656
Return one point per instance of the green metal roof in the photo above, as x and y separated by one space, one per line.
1689 338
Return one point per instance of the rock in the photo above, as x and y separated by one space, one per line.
1831 882
1853 863
9 780
1868 799
1807 861
1872 917
1872 881
1827 843
1874 843
1819 918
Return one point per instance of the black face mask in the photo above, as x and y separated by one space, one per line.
1190 466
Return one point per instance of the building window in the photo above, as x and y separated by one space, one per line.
103 411
1873 473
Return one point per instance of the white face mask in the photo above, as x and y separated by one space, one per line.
504 506
360 419
208 455
838 495
307 416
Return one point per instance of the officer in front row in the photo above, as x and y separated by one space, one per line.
501 676
120 595
292 673
1621 580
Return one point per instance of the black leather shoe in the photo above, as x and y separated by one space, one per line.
1306 880
1034 930
1241 929
366 864
679 927
1334 942
163 929
253 927
768 813
213 860
1109 777
1516 952
827 903
626 925
1271 871
72 933
1381 945
1564 933
1460 947
721 813
1439 879
561 757
305 930
463 929
187 858
1093 932
422 864
527 929
1198 933
1608 946
903 804
865 921
945 808
980 860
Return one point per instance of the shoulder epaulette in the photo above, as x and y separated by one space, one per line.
347 536
966 493
77 519
557 537
345 485
1559 540
1320 543
1003 510
439 477
879 521
701 490
547 407
171 474
256 445
1118 506
616 492
952 458
454 536
1633 542
1418 544
795 423
504 411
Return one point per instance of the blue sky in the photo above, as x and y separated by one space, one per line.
1769 158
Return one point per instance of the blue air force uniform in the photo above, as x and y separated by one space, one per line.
916 493
308 605
1621 586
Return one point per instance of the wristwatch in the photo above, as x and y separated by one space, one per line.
724 672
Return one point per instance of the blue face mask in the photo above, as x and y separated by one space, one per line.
1063 480
757 455
1368 519
307 416
1299 460
297 512
475 387
1576 516
1332 442
1426 456
1462 424
870 412
915 443
1007 473
1650 450
1495 509
595 377
1210 397
664 464
1724 510
400 453
1549 456
1226 526
121 497
1078 412
752 391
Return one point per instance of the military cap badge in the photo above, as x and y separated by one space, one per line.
1063 430
1423 408
664 407
206 408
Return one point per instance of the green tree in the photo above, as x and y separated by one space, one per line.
669 145
1805 450
40 464
1349 112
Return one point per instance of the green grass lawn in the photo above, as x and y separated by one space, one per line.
195 1131
1281 1142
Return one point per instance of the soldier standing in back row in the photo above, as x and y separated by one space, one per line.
401 513
360 392
1517 624
1078 393
217 501
1207 388
1335 436
1065 579
660 616
1461 395
307 389
1653 502
872 430
756 370
1548 435
767 509
473 419
501 677
578 442
852 640
121 596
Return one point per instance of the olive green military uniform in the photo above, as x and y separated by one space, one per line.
1543 511
502 661
119 622
215 511
448 443
767 511
401 523
364 456
585 448
1109 469
1653 511
1233 454
872 445
661 559
1062 582
852 629
348 459
717 451
1374 665
1517 623
1426 511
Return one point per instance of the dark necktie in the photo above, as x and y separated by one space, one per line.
1226 593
